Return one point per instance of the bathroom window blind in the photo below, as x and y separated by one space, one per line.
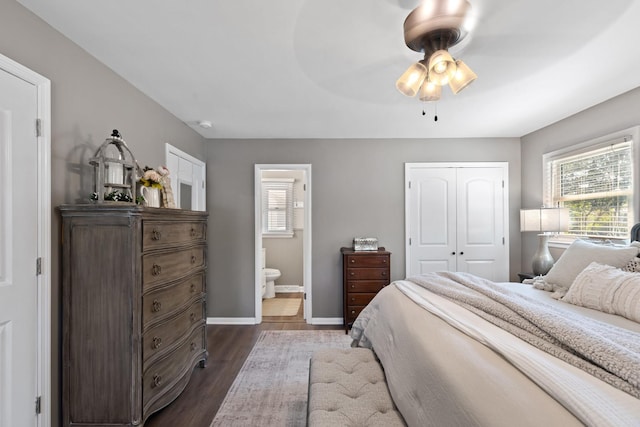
596 184
277 207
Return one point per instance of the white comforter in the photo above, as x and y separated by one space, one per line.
447 366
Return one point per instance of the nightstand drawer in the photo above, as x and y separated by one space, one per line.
367 273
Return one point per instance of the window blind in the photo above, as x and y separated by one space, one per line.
277 207
596 184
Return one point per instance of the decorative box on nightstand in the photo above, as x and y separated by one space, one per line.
364 274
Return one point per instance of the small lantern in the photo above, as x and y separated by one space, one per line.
114 171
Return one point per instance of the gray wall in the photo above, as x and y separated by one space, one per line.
88 101
619 113
347 201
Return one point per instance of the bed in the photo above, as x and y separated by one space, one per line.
458 350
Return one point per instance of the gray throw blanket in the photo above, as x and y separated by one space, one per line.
609 353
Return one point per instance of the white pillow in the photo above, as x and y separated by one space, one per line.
608 289
579 255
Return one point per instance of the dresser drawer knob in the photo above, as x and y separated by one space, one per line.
156 234
156 306
352 273
157 380
353 299
384 260
157 341
192 316
353 312
193 287
353 286
193 259
193 232
384 274
156 269
353 261
193 346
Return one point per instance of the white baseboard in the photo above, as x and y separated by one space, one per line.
327 321
231 320
288 288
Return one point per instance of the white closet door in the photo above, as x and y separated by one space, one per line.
456 219
432 228
481 240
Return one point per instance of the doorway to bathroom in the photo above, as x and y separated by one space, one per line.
282 243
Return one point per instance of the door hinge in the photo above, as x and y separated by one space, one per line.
38 127
409 185
304 296
38 404
409 241
38 266
304 187
503 183
503 241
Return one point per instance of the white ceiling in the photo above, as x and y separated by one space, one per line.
327 68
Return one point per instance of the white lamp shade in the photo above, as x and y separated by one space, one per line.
462 78
409 82
442 67
544 220
429 91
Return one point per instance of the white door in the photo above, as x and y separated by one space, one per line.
432 204
18 251
481 238
187 176
456 219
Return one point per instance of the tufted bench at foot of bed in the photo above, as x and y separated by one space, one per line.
347 387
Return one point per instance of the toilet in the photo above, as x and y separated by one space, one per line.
269 277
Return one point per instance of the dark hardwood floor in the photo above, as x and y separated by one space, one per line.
228 346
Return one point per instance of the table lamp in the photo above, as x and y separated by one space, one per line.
545 221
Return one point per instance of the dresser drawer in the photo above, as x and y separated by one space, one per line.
163 374
359 299
161 302
164 267
365 285
165 334
163 233
367 260
367 273
353 311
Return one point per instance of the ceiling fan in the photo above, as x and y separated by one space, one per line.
433 28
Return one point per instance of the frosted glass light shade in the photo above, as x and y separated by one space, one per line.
442 67
462 78
429 91
409 82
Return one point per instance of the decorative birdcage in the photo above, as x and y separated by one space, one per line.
115 172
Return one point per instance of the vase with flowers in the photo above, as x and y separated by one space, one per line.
152 181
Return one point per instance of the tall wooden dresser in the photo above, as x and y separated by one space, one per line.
364 273
133 310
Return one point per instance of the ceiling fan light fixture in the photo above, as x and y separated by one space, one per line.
442 67
410 81
463 77
430 91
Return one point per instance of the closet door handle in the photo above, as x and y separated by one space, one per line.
461 253
453 253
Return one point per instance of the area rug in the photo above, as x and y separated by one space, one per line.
281 306
271 387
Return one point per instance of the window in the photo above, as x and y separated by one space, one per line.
277 207
596 183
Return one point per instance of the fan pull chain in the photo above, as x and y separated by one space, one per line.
435 117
